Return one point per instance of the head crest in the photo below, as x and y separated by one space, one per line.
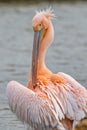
49 13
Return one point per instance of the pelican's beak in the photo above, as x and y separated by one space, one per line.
35 55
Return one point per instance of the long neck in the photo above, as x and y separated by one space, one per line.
47 40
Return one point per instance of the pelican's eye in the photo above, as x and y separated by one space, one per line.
40 24
38 27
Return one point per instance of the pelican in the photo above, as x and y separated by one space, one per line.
51 101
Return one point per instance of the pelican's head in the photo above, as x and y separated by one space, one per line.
40 24
41 19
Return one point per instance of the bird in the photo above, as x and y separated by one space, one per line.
49 101
82 125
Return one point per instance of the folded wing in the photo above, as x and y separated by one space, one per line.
74 99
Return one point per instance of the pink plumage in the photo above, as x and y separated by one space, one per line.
50 101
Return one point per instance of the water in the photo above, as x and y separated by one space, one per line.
68 53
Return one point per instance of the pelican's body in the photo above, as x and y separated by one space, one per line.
50 101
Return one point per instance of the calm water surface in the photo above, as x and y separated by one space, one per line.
68 53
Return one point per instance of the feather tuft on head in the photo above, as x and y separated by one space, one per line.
49 13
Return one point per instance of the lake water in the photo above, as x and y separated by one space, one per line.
68 53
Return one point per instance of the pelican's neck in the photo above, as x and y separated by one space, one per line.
40 67
47 40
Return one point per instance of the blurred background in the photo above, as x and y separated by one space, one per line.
68 53
35 1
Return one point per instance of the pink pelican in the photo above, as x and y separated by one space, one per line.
50 101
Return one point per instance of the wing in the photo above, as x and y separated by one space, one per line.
30 107
75 98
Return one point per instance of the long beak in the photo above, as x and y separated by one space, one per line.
35 55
